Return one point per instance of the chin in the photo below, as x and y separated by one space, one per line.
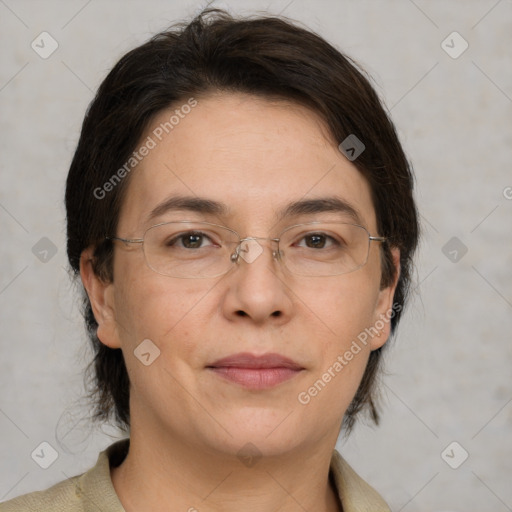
246 444
268 432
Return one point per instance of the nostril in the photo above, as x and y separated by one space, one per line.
277 313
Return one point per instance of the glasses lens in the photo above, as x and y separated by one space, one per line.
200 249
324 249
189 249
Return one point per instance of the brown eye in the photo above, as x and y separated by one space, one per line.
317 241
190 240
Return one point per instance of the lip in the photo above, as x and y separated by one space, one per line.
256 372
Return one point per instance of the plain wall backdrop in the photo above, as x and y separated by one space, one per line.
449 370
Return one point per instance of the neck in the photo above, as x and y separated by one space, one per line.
163 476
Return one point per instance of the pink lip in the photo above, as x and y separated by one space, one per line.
256 372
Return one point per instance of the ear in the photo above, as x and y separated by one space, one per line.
101 297
384 306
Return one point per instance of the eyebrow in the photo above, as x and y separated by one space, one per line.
192 204
295 208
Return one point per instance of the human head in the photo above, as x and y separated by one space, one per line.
268 58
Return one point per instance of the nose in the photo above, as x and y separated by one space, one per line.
256 289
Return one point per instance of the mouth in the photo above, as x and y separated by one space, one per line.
256 372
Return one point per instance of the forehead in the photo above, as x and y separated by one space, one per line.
252 156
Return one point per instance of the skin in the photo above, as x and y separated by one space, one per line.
187 424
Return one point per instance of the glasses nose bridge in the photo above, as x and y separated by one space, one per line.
253 247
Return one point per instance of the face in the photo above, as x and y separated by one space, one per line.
255 157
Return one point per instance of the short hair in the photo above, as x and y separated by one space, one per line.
267 56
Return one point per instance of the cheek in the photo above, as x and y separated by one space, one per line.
345 306
346 313
164 310
342 359
153 307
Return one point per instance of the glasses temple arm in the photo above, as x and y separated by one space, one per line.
126 240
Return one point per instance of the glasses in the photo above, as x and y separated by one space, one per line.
189 249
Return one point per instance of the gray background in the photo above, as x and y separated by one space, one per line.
449 371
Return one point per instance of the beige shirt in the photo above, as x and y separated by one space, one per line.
93 491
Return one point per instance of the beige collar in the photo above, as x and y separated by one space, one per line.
98 493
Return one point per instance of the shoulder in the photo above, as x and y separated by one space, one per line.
354 492
64 496
82 493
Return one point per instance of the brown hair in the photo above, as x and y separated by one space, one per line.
266 56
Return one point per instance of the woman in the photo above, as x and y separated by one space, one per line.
241 216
